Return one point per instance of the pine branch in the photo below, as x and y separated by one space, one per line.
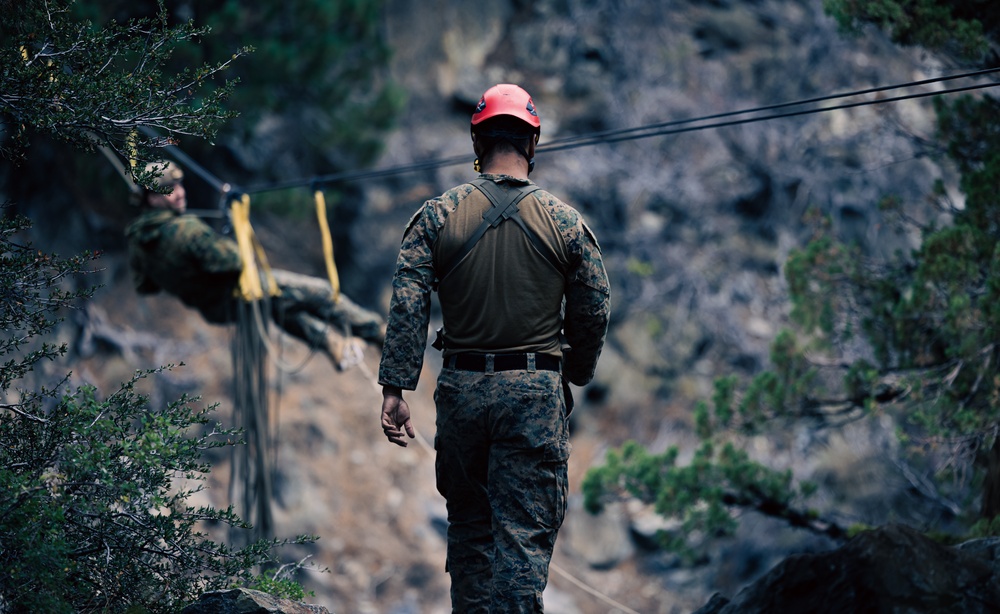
757 501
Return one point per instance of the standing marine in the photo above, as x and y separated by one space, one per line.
525 303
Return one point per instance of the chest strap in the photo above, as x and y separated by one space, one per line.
504 208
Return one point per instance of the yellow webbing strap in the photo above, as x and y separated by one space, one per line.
324 229
251 253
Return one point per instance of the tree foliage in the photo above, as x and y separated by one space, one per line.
964 27
94 489
319 62
316 75
94 516
927 324
92 86
135 76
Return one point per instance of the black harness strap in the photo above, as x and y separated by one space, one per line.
504 208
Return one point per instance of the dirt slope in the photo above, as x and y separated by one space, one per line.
373 505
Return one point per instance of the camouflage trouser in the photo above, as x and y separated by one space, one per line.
502 449
306 310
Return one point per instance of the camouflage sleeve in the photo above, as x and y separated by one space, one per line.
215 253
410 307
588 309
142 283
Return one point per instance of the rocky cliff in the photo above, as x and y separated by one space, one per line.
695 228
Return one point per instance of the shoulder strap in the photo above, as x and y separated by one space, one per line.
504 207
494 193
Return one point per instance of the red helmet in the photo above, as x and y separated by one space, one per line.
507 99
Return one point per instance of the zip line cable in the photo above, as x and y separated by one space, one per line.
750 120
656 129
607 136
357 175
557 143
178 154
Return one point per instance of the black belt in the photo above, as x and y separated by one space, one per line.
501 362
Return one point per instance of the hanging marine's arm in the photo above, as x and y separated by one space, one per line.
588 308
142 236
214 252
142 282
410 307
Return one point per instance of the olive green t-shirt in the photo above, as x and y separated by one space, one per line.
504 296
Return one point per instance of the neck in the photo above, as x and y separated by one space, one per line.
512 164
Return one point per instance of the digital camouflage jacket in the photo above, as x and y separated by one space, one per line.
184 256
584 281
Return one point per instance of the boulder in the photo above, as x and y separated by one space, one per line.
893 569
246 601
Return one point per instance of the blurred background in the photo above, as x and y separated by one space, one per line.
695 227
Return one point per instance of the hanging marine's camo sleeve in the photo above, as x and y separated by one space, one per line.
182 255
410 307
588 307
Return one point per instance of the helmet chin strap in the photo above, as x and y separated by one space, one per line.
524 153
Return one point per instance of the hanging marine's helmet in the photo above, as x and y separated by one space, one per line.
169 173
510 100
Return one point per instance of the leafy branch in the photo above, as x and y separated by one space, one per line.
95 87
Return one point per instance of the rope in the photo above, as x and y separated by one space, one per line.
594 138
252 463
607 136
187 161
655 129
558 143
251 253
592 591
635 133
324 230
274 352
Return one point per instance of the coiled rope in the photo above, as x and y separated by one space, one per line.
253 466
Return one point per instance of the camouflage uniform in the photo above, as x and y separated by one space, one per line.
502 437
183 256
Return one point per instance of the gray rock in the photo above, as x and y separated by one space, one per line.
601 540
891 570
246 601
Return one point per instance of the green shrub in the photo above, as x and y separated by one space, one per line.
94 513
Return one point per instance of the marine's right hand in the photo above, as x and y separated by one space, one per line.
396 416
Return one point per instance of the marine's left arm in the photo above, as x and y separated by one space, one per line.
588 307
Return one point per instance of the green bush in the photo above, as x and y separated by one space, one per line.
93 86
929 318
94 513
94 489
